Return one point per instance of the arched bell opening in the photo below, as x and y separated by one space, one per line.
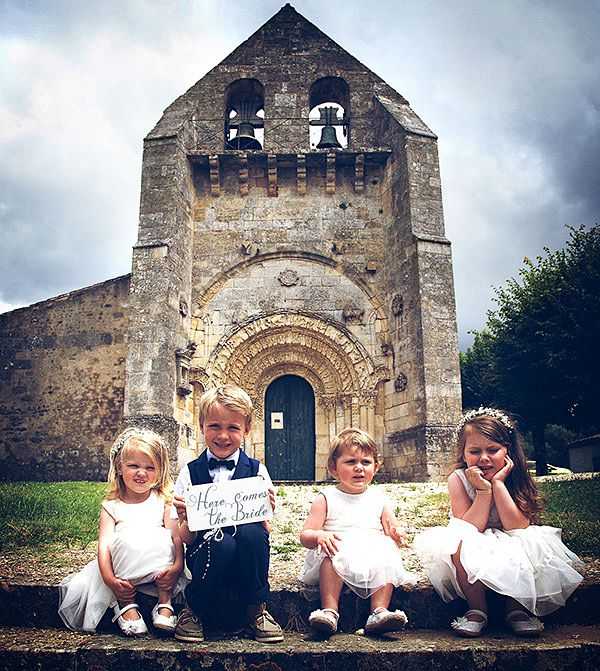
329 117
244 115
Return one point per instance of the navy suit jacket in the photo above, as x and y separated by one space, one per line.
199 475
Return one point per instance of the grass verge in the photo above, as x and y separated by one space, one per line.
34 514
38 514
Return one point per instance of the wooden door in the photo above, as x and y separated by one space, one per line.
290 429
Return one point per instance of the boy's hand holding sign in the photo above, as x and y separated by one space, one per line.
228 503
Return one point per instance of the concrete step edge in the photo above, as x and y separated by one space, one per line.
568 648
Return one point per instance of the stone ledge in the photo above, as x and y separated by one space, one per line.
572 648
36 606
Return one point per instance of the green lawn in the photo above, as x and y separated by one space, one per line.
34 514
40 513
574 506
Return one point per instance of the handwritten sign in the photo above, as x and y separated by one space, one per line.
228 503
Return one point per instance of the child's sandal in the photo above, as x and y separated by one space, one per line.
135 627
523 624
471 628
382 620
164 622
324 620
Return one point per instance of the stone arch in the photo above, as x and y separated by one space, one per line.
336 364
222 278
287 330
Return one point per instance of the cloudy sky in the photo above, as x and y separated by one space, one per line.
511 87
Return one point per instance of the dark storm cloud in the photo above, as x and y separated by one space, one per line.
511 88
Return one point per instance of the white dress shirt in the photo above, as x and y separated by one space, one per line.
184 480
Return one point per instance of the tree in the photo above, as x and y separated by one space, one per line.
537 355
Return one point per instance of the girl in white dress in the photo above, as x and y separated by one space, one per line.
347 541
138 544
491 541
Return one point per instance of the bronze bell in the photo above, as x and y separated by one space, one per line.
245 139
328 139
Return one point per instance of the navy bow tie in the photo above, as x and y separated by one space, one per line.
229 464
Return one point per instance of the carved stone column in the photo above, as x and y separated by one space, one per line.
328 403
369 401
346 401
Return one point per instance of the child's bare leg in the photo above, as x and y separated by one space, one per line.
382 597
330 585
132 613
474 592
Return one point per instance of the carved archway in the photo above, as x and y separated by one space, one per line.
327 344
328 356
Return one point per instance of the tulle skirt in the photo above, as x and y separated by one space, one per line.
366 561
532 565
136 556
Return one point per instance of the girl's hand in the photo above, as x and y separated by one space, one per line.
179 503
123 590
326 542
475 477
399 535
391 528
503 473
166 579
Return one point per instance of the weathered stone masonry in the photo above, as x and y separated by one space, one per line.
62 381
327 264
269 259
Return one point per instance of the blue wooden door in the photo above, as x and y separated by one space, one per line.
290 429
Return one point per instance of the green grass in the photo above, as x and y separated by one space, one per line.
287 549
33 514
574 506
37 514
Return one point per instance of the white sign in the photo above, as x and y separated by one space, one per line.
277 420
228 503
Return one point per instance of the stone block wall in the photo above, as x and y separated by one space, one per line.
62 380
324 256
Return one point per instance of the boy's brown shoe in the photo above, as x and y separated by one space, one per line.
263 625
189 627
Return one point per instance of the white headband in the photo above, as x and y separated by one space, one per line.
485 412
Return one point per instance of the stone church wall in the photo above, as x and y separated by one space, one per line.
62 380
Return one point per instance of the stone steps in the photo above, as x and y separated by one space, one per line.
564 648
27 605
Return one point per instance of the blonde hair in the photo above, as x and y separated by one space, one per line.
353 438
231 397
153 446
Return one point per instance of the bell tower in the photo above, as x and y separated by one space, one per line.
291 241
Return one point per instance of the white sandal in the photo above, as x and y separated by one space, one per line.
164 622
525 626
382 620
472 628
324 620
135 627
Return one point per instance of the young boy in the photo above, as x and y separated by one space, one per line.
240 559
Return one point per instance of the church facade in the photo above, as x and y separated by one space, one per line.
291 241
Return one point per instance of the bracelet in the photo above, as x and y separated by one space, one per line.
484 491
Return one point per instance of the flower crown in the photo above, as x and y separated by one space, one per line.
132 432
485 412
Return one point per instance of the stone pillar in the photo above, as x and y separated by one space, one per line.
160 295
347 406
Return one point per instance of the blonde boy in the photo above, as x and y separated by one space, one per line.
238 560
